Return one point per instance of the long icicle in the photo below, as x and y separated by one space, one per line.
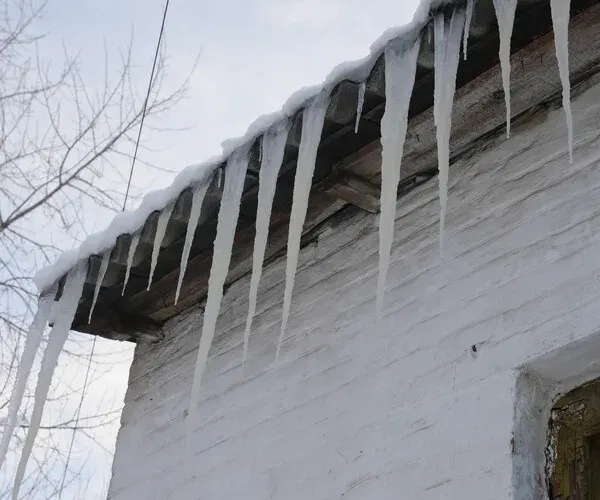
470 8
99 280
56 340
447 54
312 127
505 13
197 200
362 88
400 71
32 344
161 228
273 148
135 240
223 245
560 20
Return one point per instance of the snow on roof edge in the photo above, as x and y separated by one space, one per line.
132 221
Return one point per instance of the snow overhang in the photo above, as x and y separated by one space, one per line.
347 174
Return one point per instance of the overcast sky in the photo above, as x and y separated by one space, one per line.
254 54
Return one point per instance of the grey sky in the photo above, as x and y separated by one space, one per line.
255 53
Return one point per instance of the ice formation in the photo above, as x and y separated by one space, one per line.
32 344
312 126
447 53
470 8
135 240
400 71
161 228
359 104
99 280
273 148
56 340
197 200
235 175
560 21
400 75
505 13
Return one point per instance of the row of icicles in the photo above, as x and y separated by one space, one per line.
400 70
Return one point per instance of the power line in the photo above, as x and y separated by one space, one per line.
137 143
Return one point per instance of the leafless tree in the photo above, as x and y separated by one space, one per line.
65 146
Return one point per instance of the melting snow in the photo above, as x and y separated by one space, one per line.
359 104
235 175
131 222
32 344
447 53
56 340
312 126
161 228
505 12
197 200
273 148
135 240
99 280
470 8
560 21
400 71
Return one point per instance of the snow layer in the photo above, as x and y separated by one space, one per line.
131 221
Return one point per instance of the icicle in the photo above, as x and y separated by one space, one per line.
226 224
99 280
273 147
505 13
447 54
197 200
470 8
161 228
360 103
400 71
32 344
56 340
312 126
135 240
560 20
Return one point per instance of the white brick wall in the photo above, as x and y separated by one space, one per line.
408 411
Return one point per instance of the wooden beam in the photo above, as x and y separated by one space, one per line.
354 190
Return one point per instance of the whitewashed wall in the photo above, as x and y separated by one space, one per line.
408 411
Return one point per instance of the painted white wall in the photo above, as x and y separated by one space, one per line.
408 411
